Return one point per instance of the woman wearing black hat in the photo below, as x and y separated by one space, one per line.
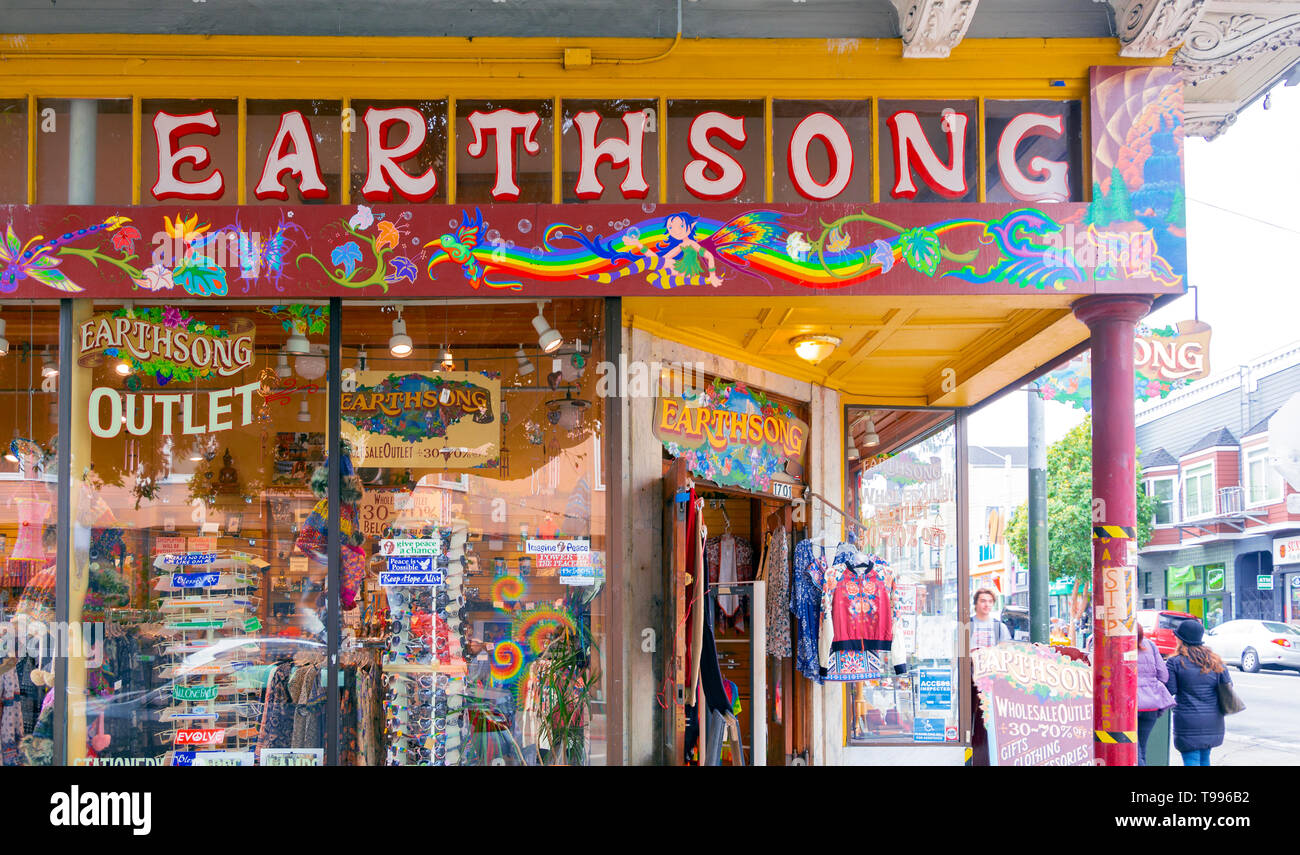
1195 672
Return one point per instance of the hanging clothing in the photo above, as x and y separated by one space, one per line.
729 559
777 574
277 714
858 607
806 605
308 697
11 717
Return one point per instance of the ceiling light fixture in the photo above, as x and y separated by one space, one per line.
851 450
282 369
304 414
871 439
814 348
399 344
526 366
196 452
361 358
547 338
48 366
448 363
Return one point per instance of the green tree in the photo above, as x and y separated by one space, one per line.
1098 209
1121 207
1177 208
1069 509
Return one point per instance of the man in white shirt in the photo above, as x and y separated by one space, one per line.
985 631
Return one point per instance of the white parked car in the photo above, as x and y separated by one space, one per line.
1255 644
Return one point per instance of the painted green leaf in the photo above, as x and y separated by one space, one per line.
201 280
920 248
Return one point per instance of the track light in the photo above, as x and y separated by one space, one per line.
361 358
399 344
297 342
282 369
448 363
4 342
526 366
304 414
49 368
547 338
196 452
851 450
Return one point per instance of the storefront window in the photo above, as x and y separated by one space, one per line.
907 505
1028 149
715 151
107 163
821 171
937 141
425 166
189 129
13 151
29 632
616 179
505 151
199 567
1197 590
285 139
479 636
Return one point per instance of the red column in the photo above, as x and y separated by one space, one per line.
1111 320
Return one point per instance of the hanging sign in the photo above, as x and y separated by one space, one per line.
1264 583
201 736
1164 360
423 420
195 580
169 544
195 693
1286 550
731 435
410 570
1037 705
410 546
189 558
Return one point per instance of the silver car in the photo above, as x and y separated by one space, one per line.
1255 644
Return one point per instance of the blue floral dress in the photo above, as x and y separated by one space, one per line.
806 605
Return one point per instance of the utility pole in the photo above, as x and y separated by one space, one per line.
1038 564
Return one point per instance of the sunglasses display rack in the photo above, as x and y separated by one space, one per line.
209 707
425 657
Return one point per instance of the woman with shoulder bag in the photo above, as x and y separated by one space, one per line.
1196 674
1153 697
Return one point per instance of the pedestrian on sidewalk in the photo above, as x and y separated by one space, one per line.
1153 697
1195 672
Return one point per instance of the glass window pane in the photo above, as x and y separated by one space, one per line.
1045 160
917 129
735 173
200 532
13 151
317 125
524 129
492 480
431 155
611 125
220 144
111 162
907 504
854 118
29 524
1178 578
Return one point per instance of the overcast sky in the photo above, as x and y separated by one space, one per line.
1245 270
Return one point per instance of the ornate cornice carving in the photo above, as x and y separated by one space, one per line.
1153 28
932 28
1220 41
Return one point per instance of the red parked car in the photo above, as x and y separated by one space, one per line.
1159 626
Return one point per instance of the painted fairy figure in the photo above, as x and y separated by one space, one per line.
684 252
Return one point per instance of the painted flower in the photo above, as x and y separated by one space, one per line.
125 238
173 317
1048 392
362 219
185 230
388 236
883 254
346 256
156 278
400 268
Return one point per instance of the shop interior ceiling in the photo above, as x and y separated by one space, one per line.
901 351
894 428
861 19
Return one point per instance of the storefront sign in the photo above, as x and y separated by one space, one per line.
201 544
139 414
731 435
223 758
201 736
934 688
169 544
399 579
556 547
410 546
1164 360
424 420
252 624
1264 583
782 489
1286 550
195 693
293 756
188 558
167 343
928 729
195 580
1037 705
